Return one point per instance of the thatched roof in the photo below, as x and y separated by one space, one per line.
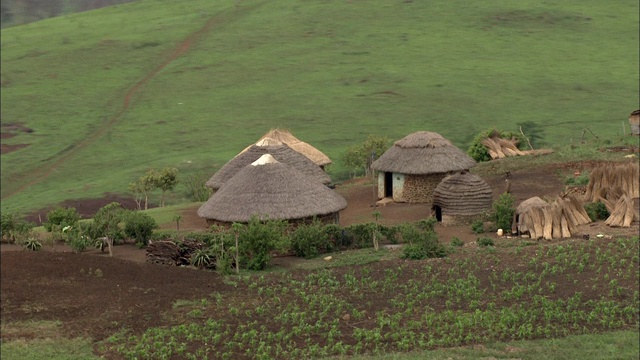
281 152
422 153
463 194
270 189
296 144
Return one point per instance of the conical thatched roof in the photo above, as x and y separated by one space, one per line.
422 153
281 152
302 147
463 194
269 189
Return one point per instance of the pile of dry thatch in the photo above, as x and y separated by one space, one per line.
284 136
499 148
551 220
616 185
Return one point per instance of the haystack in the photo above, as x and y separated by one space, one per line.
269 189
296 144
280 151
499 148
624 213
412 168
550 220
609 182
461 199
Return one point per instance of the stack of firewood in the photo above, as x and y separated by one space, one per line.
163 253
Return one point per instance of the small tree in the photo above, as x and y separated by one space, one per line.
61 217
143 186
139 226
503 211
362 155
106 223
166 180
14 228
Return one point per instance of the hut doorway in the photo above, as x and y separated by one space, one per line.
388 184
438 211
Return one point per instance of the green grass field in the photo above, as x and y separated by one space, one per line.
331 72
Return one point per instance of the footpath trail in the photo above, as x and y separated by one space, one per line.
39 174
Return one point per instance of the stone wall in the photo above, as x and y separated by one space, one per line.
419 188
457 220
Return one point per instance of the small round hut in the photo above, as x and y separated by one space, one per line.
296 144
268 189
412 168
280 151
461 199
634 121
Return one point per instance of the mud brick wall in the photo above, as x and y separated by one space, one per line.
419 188
333 218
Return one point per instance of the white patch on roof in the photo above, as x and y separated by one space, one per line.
265 159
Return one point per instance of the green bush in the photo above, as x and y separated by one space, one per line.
32 244
14 228
139 226
359 236
202 258
479 152
77 241
455 241
477 227
596 211
427 224
310 240
60 218
257 240
420 244
162 235
503 211
582 179
484 241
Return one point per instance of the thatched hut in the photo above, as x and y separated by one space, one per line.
461 199
634 121
296 144
412 168
280 151
269 189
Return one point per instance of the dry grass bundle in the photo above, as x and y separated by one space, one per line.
607 183
551 220
499 148
296 144
624 213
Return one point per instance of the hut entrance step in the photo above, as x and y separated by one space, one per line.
384 201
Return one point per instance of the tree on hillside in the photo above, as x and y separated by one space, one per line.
143 186
166 180
106 223
361 156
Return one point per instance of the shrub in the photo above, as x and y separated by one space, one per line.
503 211
202 258
60 218
257 240
310 240
13 228
161 235
455 241
420 244
484 241
596 211
427 224
139 226
479 152
477 227
360 235
32 244
582 179
78 242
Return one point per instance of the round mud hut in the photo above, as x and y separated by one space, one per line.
412 168
296 144
268 189
280 151
634 122
461 199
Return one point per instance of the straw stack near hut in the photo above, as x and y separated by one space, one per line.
296 144
280 151
616 185
268 189
551 220
499 148
461 199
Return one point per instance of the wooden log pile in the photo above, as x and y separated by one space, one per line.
171 252
163 253
551 220
499 148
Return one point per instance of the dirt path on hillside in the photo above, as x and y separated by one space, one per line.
31 178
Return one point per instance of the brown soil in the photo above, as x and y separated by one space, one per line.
96 296
10 130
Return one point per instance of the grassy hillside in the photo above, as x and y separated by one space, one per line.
330 71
